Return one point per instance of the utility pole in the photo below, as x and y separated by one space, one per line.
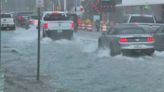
75 6
65 5
0 34
39 5
38 62
59 4
53 5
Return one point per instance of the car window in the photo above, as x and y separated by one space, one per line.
5 16
141 19
56 17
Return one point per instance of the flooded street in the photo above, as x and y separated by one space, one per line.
75 66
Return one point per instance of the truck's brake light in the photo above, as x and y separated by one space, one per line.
55 13
45 26
72 24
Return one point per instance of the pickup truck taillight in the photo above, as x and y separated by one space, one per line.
72 24
45 26
150 39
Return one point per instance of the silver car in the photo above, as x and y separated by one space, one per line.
125 39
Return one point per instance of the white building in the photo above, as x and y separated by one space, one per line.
155 7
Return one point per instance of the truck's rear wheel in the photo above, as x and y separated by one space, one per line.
13 28
70 36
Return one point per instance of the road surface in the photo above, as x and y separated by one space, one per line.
75 66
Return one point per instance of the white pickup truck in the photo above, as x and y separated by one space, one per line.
7 21
147 21
140 19
57 24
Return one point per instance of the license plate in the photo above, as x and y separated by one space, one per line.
138 46
59 31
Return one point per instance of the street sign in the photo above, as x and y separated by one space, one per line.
38 57
39 3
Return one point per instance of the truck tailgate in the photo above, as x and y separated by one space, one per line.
7 21
60 25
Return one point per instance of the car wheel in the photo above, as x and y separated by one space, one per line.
150 52
70 37
14 28
112 51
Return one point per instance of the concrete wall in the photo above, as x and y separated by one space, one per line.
157 12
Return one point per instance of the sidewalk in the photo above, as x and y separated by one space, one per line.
1 81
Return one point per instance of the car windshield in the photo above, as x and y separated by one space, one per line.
141 19
82 46
5 16
56 17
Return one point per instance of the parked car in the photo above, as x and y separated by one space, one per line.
22 19
34 20
57 24
7 21
128 38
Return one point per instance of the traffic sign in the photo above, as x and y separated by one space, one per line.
39 3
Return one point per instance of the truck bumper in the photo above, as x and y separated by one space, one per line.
55 34
7 26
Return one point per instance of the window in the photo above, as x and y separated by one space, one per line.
56 17
141 19
5 16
